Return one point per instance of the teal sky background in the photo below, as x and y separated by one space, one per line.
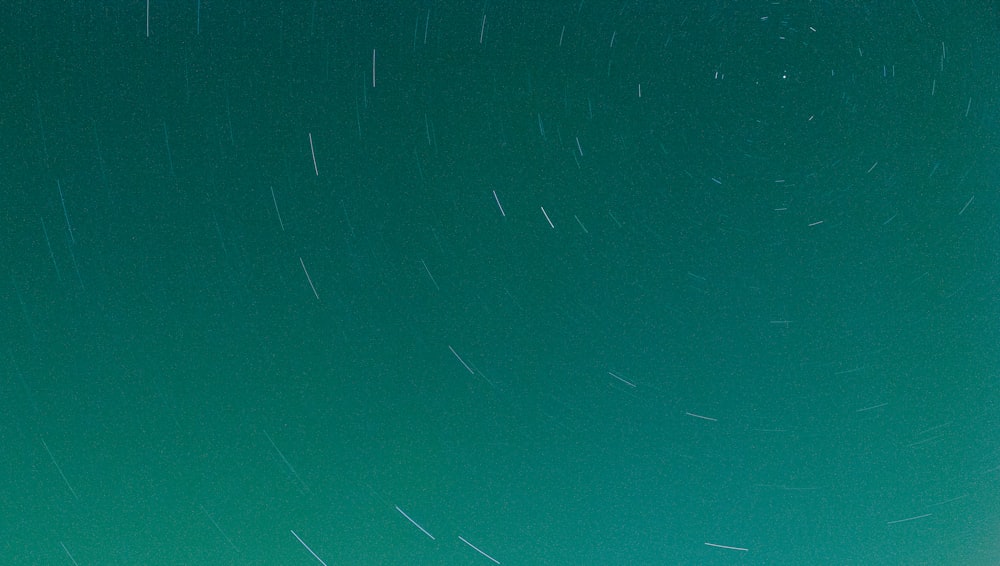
578 282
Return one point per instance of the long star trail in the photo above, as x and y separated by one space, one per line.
308 278
727 547
66 550
479 550
52 255
461 360
415 524
69 227
285 460
316 556
61 474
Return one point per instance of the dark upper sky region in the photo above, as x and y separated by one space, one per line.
525 282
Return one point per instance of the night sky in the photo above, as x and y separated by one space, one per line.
516 282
